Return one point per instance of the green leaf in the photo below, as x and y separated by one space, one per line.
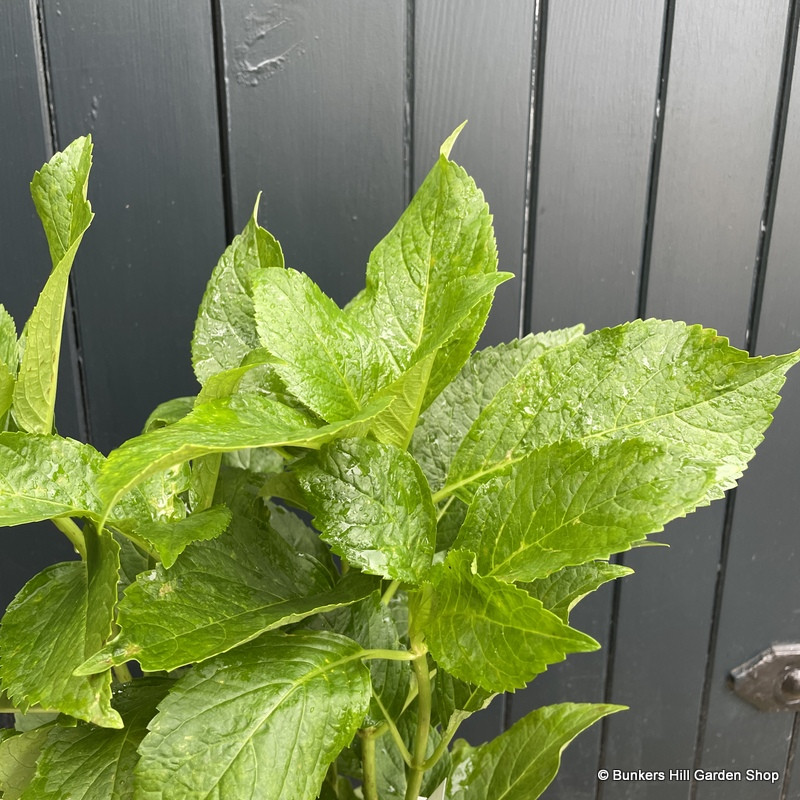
488 632
433 258
219 426
9 349
6 392
59 194
302 556
219 594
302 539
163 491
330 362
58 619
451 514
371 624
32 719
520 763
338 788
46 476
396 424
225 331
373 506
561 591
18 756
574 502
205 470
9 362
170 539
169 413
132 561
451 695
657 380
89 763
42 477
446 422
263 722
258 460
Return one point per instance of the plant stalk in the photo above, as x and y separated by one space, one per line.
388 655
391 726
11 709
417 768
370 784
69 528
122 673
447 737
390 592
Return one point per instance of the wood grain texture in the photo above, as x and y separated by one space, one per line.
761 600
600 81
474 63
315 99
25 263
705 236
140 78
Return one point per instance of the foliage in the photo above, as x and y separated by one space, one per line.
463 503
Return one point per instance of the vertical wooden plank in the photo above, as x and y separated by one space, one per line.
600 83
474 63
720 107
761 600
661 642
25 262
723 84
579 679
140 78
315 101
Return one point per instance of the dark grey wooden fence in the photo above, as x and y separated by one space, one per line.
641 157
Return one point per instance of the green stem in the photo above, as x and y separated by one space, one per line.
392 728
447 737
122 673
370 784
417 768
390 592
442 494
443 509
68 527
9 709
388 655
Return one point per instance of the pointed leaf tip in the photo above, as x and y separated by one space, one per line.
448 143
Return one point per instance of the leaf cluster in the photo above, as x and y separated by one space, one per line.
462 504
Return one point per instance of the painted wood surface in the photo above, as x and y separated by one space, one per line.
761 599
474 64
597 114
705 236
597 109
140 78
315 121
